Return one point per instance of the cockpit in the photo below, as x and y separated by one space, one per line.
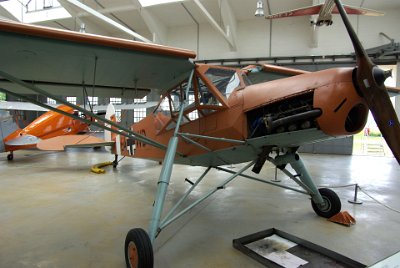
210 92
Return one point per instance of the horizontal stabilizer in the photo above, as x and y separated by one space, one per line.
23 140
70 141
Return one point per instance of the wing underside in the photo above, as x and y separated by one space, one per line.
314 10
66 63
71 141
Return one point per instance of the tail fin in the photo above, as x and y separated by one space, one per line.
120 142
7 126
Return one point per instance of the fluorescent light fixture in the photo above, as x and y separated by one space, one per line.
260 9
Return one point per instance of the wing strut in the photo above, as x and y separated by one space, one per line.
125 131
166 170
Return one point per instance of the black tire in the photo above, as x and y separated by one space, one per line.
138 249
332 203
10 157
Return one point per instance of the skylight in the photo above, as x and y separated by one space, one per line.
30 11
146 3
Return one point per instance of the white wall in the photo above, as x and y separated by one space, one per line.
290 37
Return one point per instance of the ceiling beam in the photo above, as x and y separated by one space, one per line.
156 27
105 19
227 35
89 26
109 10
6 15
314 29
229 20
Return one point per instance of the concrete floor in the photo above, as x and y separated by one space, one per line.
56 213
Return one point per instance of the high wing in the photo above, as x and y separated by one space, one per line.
67 63
358 11
314 10
311 10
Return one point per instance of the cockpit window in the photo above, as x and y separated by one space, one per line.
206 97
224 80
168 109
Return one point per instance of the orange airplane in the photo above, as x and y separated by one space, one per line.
324 12
208 116
52 124
48 125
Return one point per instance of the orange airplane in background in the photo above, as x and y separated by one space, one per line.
54 124
229 120
48 125
324 12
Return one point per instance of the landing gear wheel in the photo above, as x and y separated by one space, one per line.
138 249
10 157
332 204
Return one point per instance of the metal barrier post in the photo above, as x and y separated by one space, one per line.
355 201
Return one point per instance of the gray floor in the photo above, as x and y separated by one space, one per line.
56 213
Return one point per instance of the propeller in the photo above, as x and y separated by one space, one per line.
369 81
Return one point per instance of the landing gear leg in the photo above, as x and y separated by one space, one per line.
141 241
115 162
10 156
325 202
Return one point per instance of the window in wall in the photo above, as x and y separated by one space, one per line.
142 100
115 100
51 101
139 113
93 100
71 100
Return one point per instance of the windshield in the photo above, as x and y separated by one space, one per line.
224 80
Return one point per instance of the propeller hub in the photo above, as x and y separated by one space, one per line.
380 75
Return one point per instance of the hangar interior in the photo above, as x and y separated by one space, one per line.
56 213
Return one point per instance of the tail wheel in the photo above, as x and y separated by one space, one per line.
138 249
331 206
10 157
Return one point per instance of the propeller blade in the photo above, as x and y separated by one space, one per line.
370 83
